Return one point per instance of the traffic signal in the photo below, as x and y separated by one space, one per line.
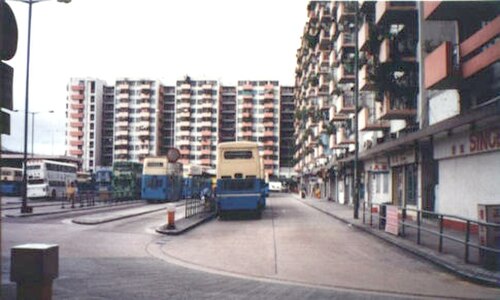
8 47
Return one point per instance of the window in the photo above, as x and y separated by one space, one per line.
242 154
411 184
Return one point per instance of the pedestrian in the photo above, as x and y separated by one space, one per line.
71 193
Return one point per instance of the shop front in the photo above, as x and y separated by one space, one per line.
404 178
469 171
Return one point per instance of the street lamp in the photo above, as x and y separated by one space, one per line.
33 113
24 207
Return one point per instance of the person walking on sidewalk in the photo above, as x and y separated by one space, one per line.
71 193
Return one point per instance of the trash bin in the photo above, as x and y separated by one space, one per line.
382 213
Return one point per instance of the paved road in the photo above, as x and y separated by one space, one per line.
231 259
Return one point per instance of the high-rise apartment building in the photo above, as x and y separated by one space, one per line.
138 119
167 94
427 110
108 121
258 119
227 114
84 120
286 135
197 107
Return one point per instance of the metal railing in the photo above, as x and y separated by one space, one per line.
428 229
196 206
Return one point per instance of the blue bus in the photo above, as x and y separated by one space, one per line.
11 181
161 180
240 186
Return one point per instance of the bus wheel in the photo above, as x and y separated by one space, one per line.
53 195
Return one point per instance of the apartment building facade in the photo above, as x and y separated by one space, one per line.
286 134
427 86
108 116
84 111
196 127
138 119
258 119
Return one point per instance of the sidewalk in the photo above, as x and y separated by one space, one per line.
448 261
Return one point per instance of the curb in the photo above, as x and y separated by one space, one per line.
466 274
180 229
111 219
69 210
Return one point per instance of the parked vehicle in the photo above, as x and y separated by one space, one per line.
48 179
11 181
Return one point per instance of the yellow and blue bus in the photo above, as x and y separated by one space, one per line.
11 181
161 180
239 183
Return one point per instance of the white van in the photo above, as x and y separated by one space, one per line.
275 186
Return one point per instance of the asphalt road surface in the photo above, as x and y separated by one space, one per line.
292 252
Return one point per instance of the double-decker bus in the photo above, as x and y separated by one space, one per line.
48 179
11 181
239 182
161 180
84 182
126 180
102 182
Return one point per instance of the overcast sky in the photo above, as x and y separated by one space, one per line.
156 39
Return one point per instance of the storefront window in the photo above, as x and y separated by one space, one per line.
411 184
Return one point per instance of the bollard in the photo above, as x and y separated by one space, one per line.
171 216
33 268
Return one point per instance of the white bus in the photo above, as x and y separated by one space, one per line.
47 178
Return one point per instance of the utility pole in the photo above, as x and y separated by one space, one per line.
356 108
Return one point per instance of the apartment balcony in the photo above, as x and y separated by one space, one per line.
268 152
207 105
268 124
185 86
268 105
268 143
184 151
76 116
246 114
365 84
398 109
247 87
145 114
76 152
335 116
345 42
122 105
206 133
183 142
183 106
268 115
395 12
345 11
121 151
441 68
398 51
77 97
246 125
122 123
184 133
122 96
121 142
268 96
333 31
206 151
247 133
122 133
77 88
344 137
205 161
76 143
206 97
205 124
206 142
324 40
143 151
482 47
123 86
76 124
247 106
269 133
364 36
122 115
454 10
345 73
184 161
74 133
369 121
185 97
268 162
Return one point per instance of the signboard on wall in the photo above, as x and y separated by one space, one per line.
468 143
402 158
392 219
